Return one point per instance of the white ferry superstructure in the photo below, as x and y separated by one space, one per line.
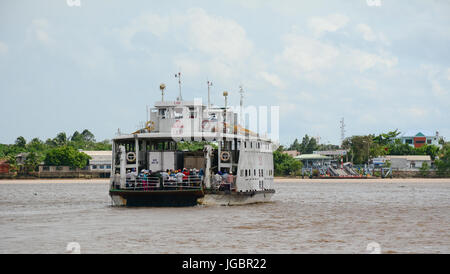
141 159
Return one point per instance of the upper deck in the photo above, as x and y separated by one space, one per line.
192 121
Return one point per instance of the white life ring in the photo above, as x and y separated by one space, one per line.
131 156
225 156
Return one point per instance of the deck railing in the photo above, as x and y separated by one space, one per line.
171 183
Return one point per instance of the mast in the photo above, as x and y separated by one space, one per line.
178 75
241 104
209 99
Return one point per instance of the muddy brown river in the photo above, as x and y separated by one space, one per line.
304 217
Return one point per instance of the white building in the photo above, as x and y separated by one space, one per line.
100 161
408 162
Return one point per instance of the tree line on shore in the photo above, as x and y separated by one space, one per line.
64 151
59 151
360 149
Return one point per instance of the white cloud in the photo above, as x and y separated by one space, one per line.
365 60
217 36
331 23
273 79
306 54
214 35
312 58
365 83
438 77
3 48
369 35
38 30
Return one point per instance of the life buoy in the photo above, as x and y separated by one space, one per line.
206 125
225 156
131 156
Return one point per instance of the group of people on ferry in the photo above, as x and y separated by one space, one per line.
179 177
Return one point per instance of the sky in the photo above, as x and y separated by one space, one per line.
69 65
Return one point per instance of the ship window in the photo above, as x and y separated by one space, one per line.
162 113
254 172
429 141
108 166
192 113
94 167
178 112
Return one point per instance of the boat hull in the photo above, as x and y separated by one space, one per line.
176 198
157 198
236 198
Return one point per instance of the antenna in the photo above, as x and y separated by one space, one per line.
209 99
241 104
178 75
342 130
225 94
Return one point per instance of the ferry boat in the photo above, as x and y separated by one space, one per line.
150 168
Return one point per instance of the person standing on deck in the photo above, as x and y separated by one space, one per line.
230 180
179 177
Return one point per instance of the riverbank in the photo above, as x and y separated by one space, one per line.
363 180
53 181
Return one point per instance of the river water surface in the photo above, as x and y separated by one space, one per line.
304 217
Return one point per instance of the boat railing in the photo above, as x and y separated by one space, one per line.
221 183
146 183
186 182
169 183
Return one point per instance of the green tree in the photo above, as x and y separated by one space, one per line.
194 146
66 156
61 139
285 164
36 145
360 148
88 136
424 169
443 163
76 137
431 150
32 162
295 145
21 142
386 138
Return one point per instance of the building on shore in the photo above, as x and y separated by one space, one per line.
314 160
4 167
99 166
404 162
100 161
418 138
292 153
